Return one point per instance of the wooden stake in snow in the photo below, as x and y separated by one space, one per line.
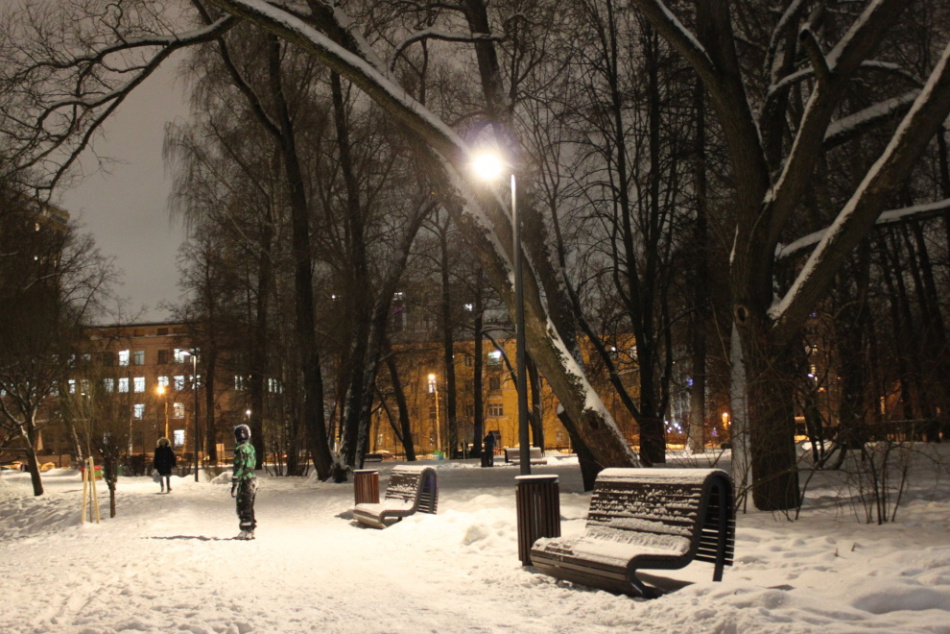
90 499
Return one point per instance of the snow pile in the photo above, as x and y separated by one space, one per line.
166 563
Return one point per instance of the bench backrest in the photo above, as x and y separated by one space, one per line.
414 484
514 453
687 510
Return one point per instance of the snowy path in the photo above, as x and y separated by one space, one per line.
166 563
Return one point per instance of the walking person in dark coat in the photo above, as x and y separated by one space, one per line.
243 481
489 450
163 462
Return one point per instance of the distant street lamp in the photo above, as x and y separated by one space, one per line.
489 166
194 388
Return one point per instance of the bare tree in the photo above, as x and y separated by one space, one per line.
52 280
772 171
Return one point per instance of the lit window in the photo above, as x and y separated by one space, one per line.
178 410
178 437
494 357
181 355
108 385
180 382
123 357
138 411
273 385
138 357
238 382
124 384
139 384
72 386
163 381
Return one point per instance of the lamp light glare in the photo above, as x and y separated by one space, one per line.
488 166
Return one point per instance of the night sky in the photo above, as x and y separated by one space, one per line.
126 210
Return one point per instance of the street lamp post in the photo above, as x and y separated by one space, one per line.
489 166
162 392
434 388
194 388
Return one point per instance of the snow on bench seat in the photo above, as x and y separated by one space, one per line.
645 518
411 488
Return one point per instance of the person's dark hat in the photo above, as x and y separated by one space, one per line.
242 433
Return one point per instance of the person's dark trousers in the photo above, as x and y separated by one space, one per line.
246 493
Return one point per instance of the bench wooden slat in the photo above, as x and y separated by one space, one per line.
646 518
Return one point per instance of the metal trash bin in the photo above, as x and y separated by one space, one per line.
539 511
366 486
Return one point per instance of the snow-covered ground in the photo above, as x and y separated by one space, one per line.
165 563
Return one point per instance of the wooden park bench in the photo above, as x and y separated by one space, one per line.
411 488
645 518
513 455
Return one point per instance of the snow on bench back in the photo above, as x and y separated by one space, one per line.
404 483
658 508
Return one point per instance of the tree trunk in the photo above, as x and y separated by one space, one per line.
770 390
696 440
355 418
28 434
404 420
304 319
478 398
448 344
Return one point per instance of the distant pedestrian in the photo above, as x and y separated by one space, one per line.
163 462
243 481
489 450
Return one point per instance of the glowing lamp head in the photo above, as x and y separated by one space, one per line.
488 166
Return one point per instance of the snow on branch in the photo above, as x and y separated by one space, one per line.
862 211
914 212
851 126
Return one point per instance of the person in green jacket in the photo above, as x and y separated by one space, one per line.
243 480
